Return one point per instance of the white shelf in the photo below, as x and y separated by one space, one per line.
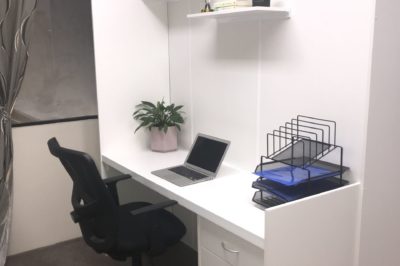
245 13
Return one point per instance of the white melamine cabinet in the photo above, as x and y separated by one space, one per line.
210 259
218 245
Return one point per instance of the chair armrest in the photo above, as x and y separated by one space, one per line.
115 179
154 207
111 183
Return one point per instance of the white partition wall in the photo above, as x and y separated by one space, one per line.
317 231
42 187
244 78
131 54
380 234
317 64
220 81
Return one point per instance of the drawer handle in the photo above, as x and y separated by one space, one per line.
228 249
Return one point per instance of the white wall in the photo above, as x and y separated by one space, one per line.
213 71
380 234
42 188
131 54
243 79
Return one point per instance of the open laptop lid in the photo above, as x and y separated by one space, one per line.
207 154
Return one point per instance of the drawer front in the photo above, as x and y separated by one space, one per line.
229 247
209 259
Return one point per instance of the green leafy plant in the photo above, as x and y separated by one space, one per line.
158 115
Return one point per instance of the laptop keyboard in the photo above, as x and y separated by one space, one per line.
186 172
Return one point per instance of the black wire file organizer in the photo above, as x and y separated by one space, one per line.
302 159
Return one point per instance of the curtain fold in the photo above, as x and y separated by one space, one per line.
15 21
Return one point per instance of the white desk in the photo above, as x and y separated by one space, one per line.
325 222
225 200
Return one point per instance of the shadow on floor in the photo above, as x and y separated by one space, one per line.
76 253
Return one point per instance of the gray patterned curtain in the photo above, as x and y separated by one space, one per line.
15 17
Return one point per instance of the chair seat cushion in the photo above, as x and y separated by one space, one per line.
149 232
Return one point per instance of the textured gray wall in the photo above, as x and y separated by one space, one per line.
60 78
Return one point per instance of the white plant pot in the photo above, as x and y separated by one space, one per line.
164 142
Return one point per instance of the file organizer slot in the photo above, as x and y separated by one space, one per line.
294 166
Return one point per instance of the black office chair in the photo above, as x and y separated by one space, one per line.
121 231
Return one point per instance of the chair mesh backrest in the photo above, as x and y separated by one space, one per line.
99 224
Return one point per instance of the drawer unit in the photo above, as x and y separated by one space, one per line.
228 247
210 259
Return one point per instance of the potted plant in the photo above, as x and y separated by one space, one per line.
163 121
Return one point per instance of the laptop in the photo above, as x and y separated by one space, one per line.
201 164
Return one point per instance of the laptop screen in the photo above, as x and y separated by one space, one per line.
207 153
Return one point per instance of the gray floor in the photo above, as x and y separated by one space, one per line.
77 253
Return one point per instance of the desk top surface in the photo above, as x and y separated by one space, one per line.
226 200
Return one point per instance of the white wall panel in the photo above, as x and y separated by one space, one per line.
131 54
317 64
42 187
222 85
180 67
245 78
380 234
